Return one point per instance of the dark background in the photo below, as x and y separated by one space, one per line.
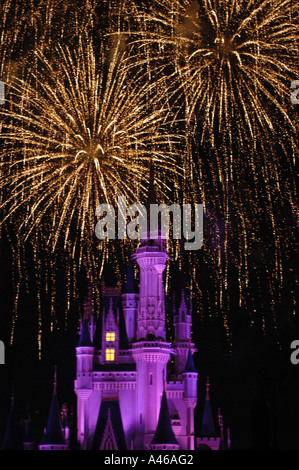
253 381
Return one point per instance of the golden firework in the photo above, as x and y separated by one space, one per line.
227 66
77 132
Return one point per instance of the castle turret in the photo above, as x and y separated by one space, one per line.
53 438
209 437
84 352
190 397
83 382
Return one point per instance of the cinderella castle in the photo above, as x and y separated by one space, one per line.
135 389
126 396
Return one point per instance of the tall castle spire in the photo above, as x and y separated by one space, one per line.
151 257
53 439
151 352
209 437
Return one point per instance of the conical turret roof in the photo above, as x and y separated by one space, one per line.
190 367
53 434
164 433
84 334
207 425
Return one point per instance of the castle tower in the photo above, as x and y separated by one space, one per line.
190 397
83 382
151 351
208 436
125 399
53 439
109 439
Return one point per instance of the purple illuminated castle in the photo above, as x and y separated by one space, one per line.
128 396
125 397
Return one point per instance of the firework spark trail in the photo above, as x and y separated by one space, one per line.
28 24
12 27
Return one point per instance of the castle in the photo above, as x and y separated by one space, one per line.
128 398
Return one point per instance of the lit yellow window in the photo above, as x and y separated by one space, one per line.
110 354
110 336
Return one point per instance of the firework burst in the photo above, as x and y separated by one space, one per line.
227 68
76 132
233 60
